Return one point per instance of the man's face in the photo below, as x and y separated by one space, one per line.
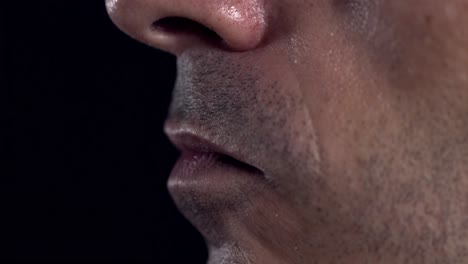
317 131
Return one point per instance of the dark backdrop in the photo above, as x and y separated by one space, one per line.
84 161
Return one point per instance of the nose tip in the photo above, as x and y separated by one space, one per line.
177 25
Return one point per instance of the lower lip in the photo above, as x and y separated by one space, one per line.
200 178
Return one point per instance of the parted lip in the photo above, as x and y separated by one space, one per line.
188 138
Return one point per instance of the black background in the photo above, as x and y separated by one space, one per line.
84 161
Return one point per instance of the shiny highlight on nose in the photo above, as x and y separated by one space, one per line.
178 25
111 5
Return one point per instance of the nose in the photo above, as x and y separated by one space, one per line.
177 25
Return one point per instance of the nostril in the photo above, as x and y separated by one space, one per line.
183 26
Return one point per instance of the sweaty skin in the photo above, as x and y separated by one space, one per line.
355 111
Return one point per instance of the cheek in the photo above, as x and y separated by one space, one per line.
372 115
394 68
416 44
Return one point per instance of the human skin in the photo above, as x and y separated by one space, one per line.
354 111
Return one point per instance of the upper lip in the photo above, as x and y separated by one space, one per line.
188 138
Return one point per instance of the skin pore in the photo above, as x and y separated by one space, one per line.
355 112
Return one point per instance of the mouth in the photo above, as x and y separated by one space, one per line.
200 153
208 174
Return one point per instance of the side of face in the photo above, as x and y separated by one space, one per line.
356 111
392 130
